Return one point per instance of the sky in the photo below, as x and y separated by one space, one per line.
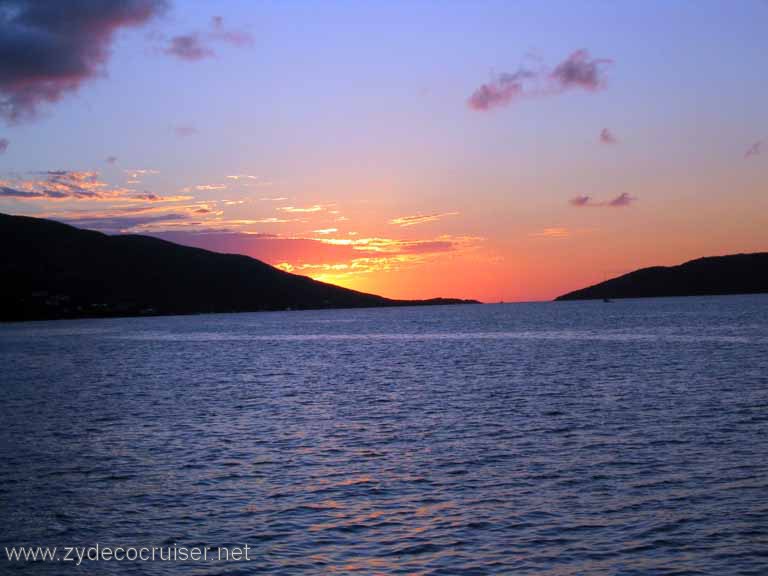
495 150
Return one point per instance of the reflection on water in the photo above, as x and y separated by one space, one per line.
562 438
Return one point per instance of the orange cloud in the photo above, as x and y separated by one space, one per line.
404 221
552 233
298 209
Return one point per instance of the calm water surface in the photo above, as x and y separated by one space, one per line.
557 438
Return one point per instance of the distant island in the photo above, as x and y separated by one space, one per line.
51 270
715 275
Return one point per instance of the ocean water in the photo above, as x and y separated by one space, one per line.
549 439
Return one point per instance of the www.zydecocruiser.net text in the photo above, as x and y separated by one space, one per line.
99 553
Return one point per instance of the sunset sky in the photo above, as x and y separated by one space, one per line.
497 150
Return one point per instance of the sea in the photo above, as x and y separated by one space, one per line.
559 438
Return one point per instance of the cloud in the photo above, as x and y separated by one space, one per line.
556 233
578 71
184 130
388 245
249 180
189 47
271 221
326 231
622 199
135 173
4 143
49 49
242 177
306 253
74 185
234 37
152 213
579 201
111 159
754 150
295 209
148 196
6 192
121 224
607 137
619 201
196 46
404 221
210 187
500 91
61 184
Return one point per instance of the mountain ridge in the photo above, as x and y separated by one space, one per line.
743 273
53 270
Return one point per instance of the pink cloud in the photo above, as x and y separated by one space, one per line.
499 92
619 201
234 37
754 149
622 199
404 221
184 130
578 71
189 47
72 185
579 200
607 137
197 46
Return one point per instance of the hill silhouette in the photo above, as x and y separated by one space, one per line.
734 274
53 270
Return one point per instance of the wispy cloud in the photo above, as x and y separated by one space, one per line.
242 177
300 209
184 130
139 172
556 233
249 180
196 46
754 150
50 49
577 71
111 160
622 200
210 187
404 221
151 215
229 35
501 91
189 47
443 243
75 185
326 230
62 184
273 220
607 137
580 201
4 143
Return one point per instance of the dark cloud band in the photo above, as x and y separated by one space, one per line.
50 48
